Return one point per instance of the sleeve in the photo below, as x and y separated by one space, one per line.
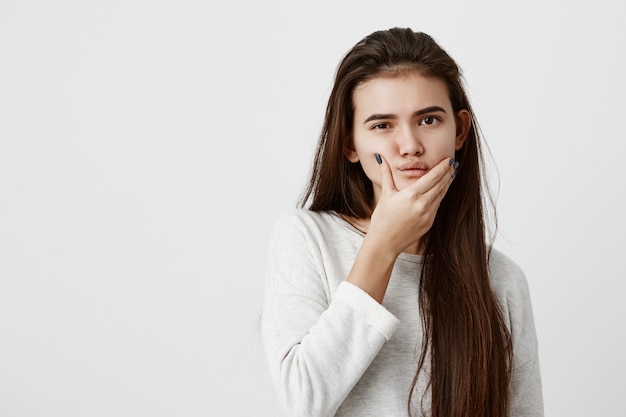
526 398
317 345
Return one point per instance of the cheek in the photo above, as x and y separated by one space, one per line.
367 147
446 149
388 149
444 145
370 167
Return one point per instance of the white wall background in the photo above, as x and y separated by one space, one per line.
147 146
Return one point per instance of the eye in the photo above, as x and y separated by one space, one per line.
430 120
381 126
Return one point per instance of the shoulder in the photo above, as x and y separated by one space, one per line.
304 222
511 288
298 259
506 276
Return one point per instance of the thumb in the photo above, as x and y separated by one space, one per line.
386 179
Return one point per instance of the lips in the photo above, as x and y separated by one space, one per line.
410 166
413 169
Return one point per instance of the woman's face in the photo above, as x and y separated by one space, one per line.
408 119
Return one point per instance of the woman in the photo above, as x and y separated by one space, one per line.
383 296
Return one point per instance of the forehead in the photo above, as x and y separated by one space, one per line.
395 94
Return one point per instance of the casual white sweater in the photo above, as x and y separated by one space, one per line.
332 350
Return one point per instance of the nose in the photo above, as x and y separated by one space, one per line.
409 142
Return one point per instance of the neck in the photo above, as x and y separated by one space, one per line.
416 248
363 225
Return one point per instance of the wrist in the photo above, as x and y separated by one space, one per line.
372 268
378 252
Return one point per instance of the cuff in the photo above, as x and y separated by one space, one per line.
368 308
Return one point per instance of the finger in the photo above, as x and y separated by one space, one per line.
436 194
439 190
386 178
446 182
439 174
443 191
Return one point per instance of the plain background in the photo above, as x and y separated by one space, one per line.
146 147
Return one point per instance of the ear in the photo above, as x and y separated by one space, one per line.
349 152
463 124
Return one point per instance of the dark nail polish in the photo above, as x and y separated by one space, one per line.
455 165
454 175
378 159
452 161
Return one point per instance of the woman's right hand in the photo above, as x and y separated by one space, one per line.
402 217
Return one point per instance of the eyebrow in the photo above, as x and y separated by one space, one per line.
387 116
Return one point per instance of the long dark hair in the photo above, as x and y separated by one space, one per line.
466 340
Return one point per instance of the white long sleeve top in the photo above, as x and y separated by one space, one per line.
332 350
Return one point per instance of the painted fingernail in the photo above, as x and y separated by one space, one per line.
452 161
378 159
455 165
454 175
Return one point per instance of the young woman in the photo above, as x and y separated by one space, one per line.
383 296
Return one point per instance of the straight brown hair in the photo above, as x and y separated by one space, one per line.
466 341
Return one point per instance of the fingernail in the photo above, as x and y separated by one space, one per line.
455 165
454 175
452 161
378 159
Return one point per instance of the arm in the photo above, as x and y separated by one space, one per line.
525 390
317 346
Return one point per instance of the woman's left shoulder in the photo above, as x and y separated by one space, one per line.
507 277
